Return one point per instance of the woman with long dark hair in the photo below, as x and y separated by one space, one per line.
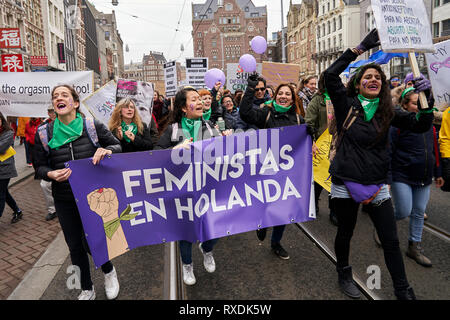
70 137
186 125
7 170
285 110
359 170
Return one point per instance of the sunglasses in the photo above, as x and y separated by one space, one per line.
260 89
395 79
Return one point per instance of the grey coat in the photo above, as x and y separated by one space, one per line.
7 167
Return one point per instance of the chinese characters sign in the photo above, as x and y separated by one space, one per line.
12 63
9 38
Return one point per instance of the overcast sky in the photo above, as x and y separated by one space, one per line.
150 25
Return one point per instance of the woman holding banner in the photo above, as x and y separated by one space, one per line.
285 110
187 125
364 114
414 160
70 137
127 126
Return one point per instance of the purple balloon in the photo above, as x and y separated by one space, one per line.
259 44
248 63
213 76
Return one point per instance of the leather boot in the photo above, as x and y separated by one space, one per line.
406 294
16 216
346 283
415 252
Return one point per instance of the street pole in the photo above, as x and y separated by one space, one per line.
282 35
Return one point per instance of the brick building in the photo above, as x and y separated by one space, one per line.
222 30
153 66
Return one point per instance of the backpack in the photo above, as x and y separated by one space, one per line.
89 124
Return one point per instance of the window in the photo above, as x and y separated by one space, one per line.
229 7
340 23
107 35
446 27
247 9
436 29
334 24
255 14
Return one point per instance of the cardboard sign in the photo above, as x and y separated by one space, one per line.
278 73
102 102
438 64
321 163
195 72
403 25
237 77
170 78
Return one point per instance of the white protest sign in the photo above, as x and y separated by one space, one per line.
403 25
102 102
237 77
170 78
195 72
438 64
28 94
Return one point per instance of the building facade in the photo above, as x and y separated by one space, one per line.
70 27
223 30
440 20
338 28
134 71
54 25
153 65
301 37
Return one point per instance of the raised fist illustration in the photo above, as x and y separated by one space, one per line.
104 202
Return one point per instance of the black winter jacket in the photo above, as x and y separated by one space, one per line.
258 116
361 156
414 157
169 139
142 142
81 148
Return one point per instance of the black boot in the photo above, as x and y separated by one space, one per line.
406 294
261 234
16 216
346 283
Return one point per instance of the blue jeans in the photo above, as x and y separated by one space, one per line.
186 249
411 201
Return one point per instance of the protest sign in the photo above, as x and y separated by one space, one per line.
219 187
237 77
278 73
321 162
28 94
195 72
438 64
170 78
141 93
403 25
102 102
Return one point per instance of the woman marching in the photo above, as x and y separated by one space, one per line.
415 159
284 110
359 170
7 170
71 137
185 126
126 124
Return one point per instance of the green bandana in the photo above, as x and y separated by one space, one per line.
63 134
326 96
132 127
207 114
370 106
112 226
279 108
191 127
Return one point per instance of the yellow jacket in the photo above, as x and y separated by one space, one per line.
444 134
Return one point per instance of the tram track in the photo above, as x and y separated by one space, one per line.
439 232
331 256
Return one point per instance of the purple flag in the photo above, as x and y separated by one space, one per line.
219 187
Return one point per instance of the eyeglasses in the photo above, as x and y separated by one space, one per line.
260 89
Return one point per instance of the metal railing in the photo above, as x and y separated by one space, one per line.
173 273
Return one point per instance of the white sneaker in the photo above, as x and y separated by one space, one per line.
208 260
188 274
111 285
87 294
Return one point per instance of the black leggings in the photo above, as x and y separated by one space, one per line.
383 219
72 228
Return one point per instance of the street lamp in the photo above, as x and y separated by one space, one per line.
115 2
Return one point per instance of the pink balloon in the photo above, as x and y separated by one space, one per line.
248 63
259 44
213 76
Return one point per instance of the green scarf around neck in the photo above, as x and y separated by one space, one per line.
63 134
279 108
370 106
191 127
207 114
128 127
326 96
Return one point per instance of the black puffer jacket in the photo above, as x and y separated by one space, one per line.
258 117
363 157
81 148
142 142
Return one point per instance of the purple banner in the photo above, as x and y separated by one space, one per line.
219 187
